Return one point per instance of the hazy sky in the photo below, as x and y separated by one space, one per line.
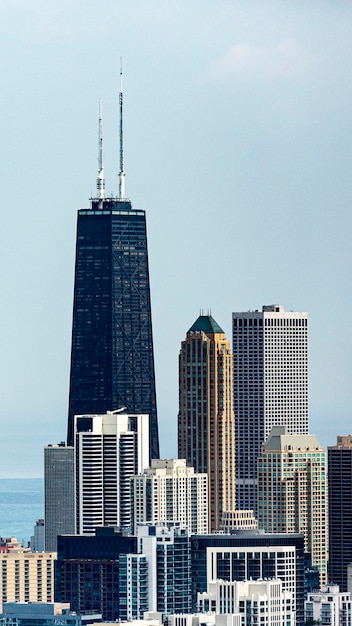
238 119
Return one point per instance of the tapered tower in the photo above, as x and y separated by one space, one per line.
206 423
112 361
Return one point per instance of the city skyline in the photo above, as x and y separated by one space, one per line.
236 146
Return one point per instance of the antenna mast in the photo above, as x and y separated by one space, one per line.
122 171
100 179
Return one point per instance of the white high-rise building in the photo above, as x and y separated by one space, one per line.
255 601
170 490
270 369
109 450
329 607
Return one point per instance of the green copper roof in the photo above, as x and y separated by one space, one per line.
207 324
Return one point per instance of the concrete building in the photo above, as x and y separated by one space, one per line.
167 549
109 450
292 491
263 602
340 510
329 607
59 493
270 371
206 423
249 555
26 576
170 490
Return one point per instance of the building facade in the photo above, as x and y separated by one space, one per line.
87 572
170 490
59 493
340 510
167 549
112 361
263 602
26 577
250 555
270 365
329 607
292 491
109 450
206 424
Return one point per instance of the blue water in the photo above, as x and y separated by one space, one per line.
21 504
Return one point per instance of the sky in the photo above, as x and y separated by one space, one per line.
238 144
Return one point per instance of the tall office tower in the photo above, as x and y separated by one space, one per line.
59 493
170 490
270 366
340 510
167 548
292 491
112 361
109 450
206 424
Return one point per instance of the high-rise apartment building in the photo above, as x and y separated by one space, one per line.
206 425
109 450
340 510
112 361
251 602
250 555
170 490
167 549
87 573
292 491
59 493
26 576
270 369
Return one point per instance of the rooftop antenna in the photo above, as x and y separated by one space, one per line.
122 171
100 179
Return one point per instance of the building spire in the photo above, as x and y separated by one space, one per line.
100 179
122 171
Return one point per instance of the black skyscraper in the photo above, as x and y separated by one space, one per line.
112 361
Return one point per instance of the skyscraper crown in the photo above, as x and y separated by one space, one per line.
207 324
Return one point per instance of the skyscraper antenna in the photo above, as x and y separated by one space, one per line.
100 179
122 171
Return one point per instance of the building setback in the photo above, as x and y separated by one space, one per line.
270 370
340 510
292 491
206 424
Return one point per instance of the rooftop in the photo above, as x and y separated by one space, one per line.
205 324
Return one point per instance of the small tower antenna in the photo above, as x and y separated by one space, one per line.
122 170
100 179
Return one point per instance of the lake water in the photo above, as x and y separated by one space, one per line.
21 505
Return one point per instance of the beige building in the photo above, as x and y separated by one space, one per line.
206 423
292 491
170 490
27 577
